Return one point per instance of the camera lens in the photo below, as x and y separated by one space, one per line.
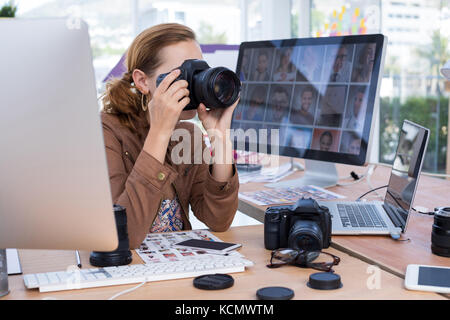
217 87
225 88
305 235
440 236
122 255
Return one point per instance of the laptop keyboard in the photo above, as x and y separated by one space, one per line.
360 216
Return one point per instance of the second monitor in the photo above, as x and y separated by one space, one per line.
319 93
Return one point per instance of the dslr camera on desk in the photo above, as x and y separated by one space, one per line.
304 226
297 234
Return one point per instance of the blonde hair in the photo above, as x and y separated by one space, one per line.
121 97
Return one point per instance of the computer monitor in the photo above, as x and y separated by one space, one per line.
320 93
54 190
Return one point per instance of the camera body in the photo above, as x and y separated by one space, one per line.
303 226
214 87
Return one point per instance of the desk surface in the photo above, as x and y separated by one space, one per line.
354 272
381 250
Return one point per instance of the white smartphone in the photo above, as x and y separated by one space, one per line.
427 278
208 246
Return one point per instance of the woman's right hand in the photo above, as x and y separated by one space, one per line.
167 103
165 107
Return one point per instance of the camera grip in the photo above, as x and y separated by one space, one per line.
272 231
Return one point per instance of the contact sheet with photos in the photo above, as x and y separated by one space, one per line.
158 247
288 195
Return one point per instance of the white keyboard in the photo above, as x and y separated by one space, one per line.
75 278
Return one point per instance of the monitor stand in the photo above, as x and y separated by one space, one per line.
4 289
317 173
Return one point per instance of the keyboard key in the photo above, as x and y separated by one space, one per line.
53 277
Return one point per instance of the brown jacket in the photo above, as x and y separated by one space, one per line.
139 182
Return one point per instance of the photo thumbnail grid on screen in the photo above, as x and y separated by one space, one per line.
317 96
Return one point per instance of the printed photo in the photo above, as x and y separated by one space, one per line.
332 106
364 62
256 101
310 64
245 65
299 138
284 69
356 108
278 107
351 143
338 63
326 140
304 105
187 254
261 65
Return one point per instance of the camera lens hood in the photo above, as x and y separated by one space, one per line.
110 259
440 235
216 87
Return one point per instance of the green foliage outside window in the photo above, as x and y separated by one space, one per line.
8 10
422 111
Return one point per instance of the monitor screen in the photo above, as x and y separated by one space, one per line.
405 172
309 98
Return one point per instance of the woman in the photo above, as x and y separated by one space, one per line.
363 71
138 122
286 70
309 64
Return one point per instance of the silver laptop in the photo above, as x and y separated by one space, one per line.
390 216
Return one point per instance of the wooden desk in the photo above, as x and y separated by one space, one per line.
390 255
353 271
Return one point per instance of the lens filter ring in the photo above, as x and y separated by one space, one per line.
225 85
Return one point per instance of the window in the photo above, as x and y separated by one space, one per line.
412 86
418 33
209 19
109 22
338 18
113 24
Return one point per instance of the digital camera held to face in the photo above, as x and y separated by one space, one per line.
304 226
214 87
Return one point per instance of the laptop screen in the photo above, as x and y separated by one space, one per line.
405 172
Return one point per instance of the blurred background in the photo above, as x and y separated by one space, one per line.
418 32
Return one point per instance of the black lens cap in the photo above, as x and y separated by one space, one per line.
214 282
275 293
325 281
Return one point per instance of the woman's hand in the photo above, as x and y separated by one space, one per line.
216 121
169 99
165 107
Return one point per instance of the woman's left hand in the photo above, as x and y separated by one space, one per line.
216 121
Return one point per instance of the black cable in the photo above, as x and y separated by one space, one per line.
373 190
426 213
376 189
